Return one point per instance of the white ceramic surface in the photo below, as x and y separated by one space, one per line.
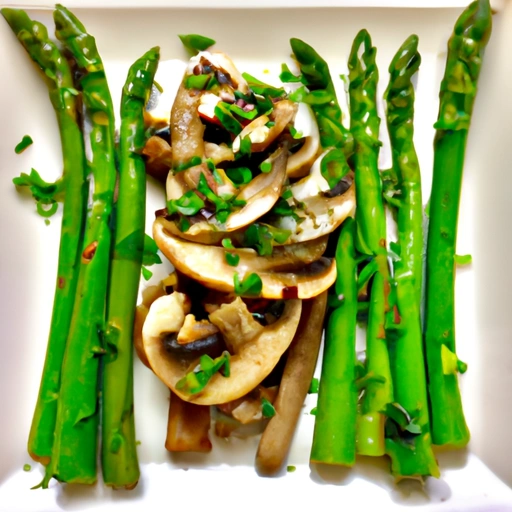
258 42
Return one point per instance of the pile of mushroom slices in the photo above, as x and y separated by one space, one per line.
246 226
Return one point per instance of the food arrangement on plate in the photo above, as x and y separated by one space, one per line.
275 223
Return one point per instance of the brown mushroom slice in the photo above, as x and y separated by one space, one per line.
158 155
262 136
299 163
261 193
190 254
321 215
187 130
218 152
248 368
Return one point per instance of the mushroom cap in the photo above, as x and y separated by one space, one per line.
254 361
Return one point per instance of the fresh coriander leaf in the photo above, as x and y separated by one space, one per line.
334 167
188 204
195 42
232 259
146 273
239 175
267 409
313 387
266 167
250 285
26 141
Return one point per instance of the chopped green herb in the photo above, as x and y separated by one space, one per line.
217 177
313 411
198 82
150 255
259 237
245 147
261 88
279 235
46 209
250 115
264 105
146 273
294 133
250 284
196 380
26 141
267 409
266 166
287 194
212 83
195 160
226 118
239 175
222 216
270 124
290 469
227 243
298 95
232 259
287 76
196 43
313 387
40 189
334 167
27 467
205 189
283 208
462 260
188 204
183 224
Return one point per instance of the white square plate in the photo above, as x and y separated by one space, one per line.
257 40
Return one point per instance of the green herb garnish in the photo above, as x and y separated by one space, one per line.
313 387
259 237
245 147
146 273
188 204
287 194
267 409
26 141
195 160
313 411
227 243
239 175
232 259
250 115
461 260
266 166
250 284
196 43
195 381
150 255
261 88
224 115
294 133
287 76
198 82
205 189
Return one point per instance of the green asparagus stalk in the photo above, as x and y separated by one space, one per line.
457 95
410 450
75 443
34 37
323 101
119 455
334 439
371 237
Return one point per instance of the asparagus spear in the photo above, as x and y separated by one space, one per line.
458 91
74 451
411 452
34 37
316 75
371 237
334 439
119 454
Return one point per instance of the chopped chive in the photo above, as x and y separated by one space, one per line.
198 82
267 409
188 204
232 259
195 381
183 224
261 88
270 124
195 42
294 133
195 160
26 141
239 175
250 285
227 243
245 146
250 115
227 120
217 177
287 194
266 166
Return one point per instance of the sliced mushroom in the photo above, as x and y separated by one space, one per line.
158 155
320 216
300 162
208 266
193 330
192 255
218 152
313 184
248 367
261 193
260 134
